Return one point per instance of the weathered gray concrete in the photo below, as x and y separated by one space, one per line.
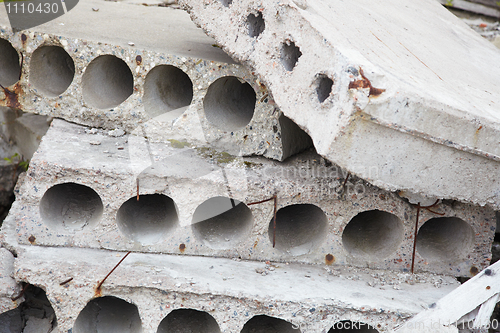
231 291
174 87
81 191
27 132
413 96
8 285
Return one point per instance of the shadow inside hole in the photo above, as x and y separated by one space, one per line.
266 324
226 3
324 87
51 70
70 206
108 314
373 235
166 88
445 239
299 228
9 64
293 138
221 222
107 82
290 55
188 321
229 103
35 314
148 219
256 24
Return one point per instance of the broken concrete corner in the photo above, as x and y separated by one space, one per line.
407 102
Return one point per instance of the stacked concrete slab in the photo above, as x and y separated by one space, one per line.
167 90
414 96
175 180
77 213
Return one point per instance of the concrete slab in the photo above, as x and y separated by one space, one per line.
82 185
179 88
8 285
153 286
354 75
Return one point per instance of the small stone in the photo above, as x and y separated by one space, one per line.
95 143
116 132
91 131
95 9
131 43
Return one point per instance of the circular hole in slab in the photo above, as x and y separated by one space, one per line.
266 324
108 314
188 320
107 82
299 228
226 3
148 219
166 88
373 235
9 64
323 87
51 70
256 24
347 326
290 54
445 239
70 206
222 222
229 103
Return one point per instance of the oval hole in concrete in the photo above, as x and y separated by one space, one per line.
221 222
166 88
347 326
266 324
70 206
108 314
107 82
256 24
226 3
323 87
299 228
229 103
290 55
445 239
373 235
148 220
9 64
51 70
188 320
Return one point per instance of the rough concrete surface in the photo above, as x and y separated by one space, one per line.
231 291
8 285
82 186
165 167
182 88
413 96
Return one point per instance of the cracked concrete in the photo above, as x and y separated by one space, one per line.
396 90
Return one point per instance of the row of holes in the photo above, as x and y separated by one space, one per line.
112 314
289 53
222 223
108 81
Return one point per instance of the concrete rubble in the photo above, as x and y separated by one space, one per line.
174 163
69 206
79 194
414 97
